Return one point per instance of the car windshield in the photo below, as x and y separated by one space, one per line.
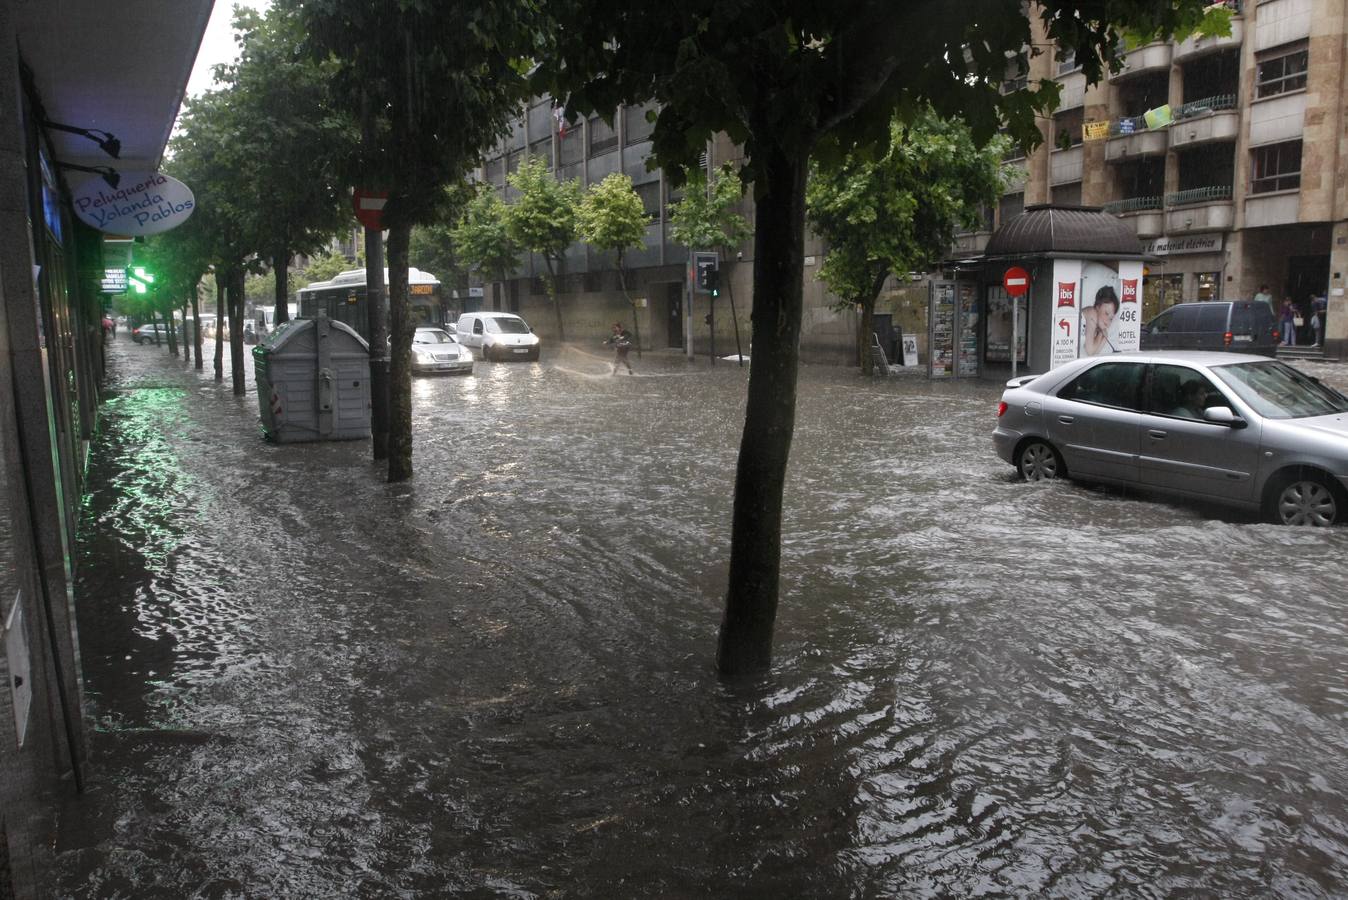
432 336
1277 391
507 326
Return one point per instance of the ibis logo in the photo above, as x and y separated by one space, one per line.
1067 293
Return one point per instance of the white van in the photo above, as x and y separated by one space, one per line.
498 335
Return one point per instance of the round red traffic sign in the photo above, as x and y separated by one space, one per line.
369 207
1016 281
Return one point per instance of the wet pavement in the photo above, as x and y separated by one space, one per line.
496 680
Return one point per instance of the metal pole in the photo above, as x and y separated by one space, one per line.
1015 331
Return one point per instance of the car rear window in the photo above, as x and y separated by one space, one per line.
1108 384
1251 318
1212 318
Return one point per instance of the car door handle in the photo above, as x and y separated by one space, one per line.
1067 420
1156 433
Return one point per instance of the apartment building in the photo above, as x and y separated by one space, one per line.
1225 153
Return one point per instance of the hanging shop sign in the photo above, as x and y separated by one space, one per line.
143 203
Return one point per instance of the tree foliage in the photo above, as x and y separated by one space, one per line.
482 236
898 212
611 218
706 217
326 267
542 219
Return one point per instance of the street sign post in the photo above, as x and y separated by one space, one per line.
1017 282
369 207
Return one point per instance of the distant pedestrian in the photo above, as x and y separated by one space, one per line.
1288 323
1265 297
622 343
1317 326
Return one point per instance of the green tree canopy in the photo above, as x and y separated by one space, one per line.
706 218
482 236
897 213
611 217
542 219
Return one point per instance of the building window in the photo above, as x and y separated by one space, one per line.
513 160
650 198
1066 194
572 145
1011 205
1277 167
543 150
635 126
1281 74
602 136
1067 61
1067 128
496 171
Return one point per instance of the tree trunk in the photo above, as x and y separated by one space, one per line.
169 332
236 302
187 345
378 328
745 644
154 321
554 295
280 267
734 316
196 326
622 282
866 328
219 325
400 353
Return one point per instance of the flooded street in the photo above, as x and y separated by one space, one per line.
497 680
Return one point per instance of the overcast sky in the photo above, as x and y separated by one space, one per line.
218 44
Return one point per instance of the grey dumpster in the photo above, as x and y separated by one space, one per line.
313 382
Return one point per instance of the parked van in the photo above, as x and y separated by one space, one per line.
498 335
1243 326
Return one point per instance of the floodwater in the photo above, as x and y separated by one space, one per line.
497 680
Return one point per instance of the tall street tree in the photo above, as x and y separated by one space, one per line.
897 213
483 239
430 84
791 79
611 218
293 140
542 220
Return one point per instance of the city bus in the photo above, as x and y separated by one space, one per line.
343 299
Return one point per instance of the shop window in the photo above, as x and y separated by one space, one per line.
997 347
1208 283
1277 167
1281 74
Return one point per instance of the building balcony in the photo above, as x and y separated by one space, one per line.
1197 45
971 243
1144 213
1207 121
1149 58
1064 166
1200 209
1130 139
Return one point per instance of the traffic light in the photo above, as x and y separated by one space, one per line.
714 283
706 275
138 280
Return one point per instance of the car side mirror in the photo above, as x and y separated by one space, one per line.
1222 415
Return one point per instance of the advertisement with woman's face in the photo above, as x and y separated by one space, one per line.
1110 307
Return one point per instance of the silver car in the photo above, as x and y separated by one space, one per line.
1225 427
435 350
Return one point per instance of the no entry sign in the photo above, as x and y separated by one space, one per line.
369 207
1016 281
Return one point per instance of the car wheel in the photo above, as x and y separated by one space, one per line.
1038 461
1307 500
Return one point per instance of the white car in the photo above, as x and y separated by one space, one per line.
435 350
498 335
